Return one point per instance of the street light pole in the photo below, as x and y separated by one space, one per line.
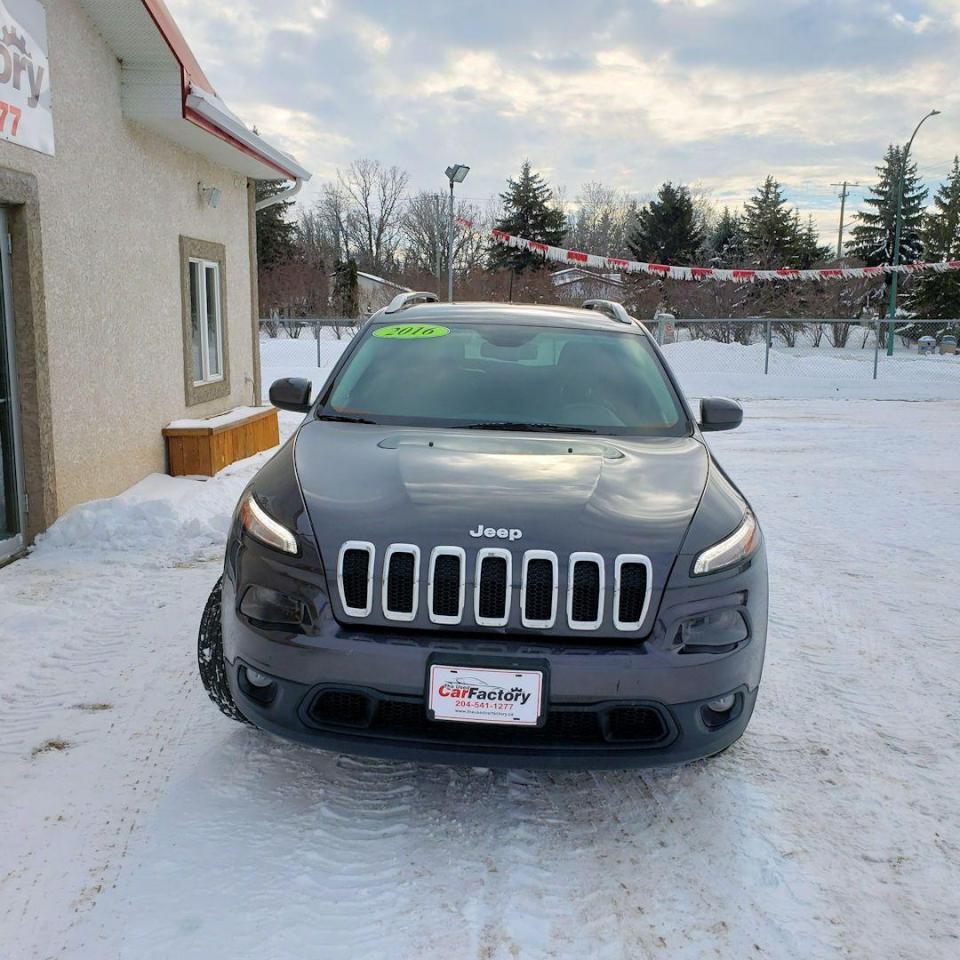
456 173
450 250
892 305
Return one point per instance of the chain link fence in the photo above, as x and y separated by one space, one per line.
817 348
919 359
737 357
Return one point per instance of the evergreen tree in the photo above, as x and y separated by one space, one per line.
937 295
528 211
276 235
345 301
873 236
725 245
668 229
769 228
809 250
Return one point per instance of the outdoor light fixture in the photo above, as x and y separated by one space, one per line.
456 173
209 195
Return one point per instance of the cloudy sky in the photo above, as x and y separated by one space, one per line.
714 92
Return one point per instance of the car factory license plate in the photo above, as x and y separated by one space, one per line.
481 695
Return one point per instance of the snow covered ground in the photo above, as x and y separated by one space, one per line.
138 823
707 367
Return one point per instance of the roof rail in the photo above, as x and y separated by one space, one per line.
403 300
613 309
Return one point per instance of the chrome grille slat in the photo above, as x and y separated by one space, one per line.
633 576
401 581
355 578
538 589
583 576
585 591
494 573
446 589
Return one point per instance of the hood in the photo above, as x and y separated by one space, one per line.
432 487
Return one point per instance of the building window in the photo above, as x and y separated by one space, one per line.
206 321
206 354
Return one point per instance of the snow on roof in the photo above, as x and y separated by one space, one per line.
164 88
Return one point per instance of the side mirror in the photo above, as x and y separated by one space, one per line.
719 413
291 393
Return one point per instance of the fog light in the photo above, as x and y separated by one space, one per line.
722 704
257 686
270 606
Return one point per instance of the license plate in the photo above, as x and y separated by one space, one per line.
482 695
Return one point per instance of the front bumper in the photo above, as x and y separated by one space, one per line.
591 687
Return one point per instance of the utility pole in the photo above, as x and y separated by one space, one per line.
843 205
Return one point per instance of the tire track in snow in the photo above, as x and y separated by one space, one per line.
106 656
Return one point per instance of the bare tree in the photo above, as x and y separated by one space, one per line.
425 224
601 221
332 213
373 196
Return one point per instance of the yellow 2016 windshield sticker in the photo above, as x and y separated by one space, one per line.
411 331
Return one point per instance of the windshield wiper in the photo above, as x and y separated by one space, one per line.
525 427
343 418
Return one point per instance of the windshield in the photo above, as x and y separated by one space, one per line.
509 377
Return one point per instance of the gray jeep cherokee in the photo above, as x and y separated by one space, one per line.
497 538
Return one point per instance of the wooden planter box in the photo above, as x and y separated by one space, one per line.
203 447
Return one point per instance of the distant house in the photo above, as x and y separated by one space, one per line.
575 283
374 292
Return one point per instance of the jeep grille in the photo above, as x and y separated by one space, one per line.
546 585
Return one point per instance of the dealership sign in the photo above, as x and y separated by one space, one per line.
25 114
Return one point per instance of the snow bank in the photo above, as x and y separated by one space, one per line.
167 516
179 517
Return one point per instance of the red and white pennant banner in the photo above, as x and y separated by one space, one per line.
578 258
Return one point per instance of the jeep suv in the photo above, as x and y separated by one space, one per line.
497 538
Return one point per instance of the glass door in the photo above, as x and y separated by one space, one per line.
12 499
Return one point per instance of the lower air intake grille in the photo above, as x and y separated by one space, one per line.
586 592
342 707
539 596
388 717
633 592
446 586
400 579
493 588
356 573
636 724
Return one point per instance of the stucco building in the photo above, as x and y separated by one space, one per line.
129 279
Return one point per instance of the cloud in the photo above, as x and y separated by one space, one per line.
628 93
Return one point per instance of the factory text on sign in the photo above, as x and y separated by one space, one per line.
25 110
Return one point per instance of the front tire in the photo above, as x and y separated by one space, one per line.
213 669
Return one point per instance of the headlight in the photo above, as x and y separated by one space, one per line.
727 553
261 526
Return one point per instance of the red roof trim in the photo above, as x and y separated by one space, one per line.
203 122
190 69
191 74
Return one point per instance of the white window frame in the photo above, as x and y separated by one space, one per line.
202 265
